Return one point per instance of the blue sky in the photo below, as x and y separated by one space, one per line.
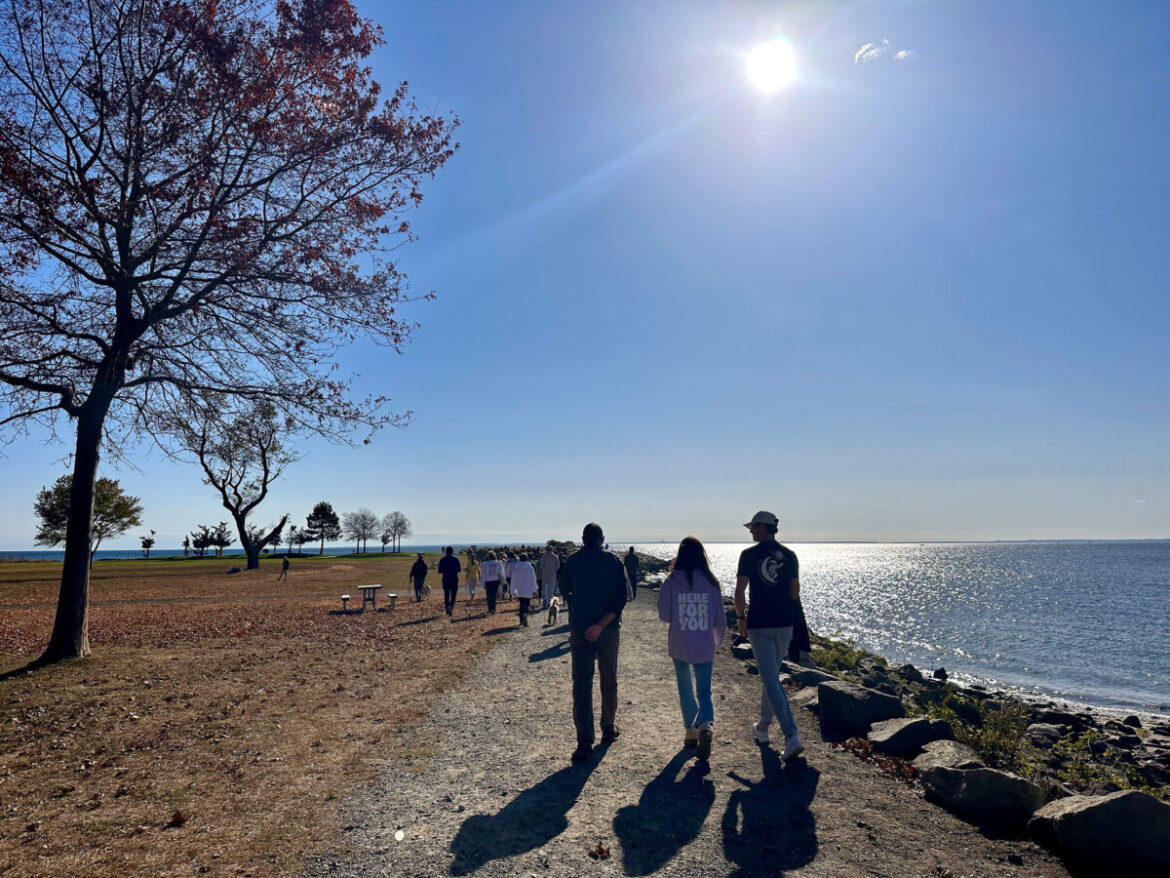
918 293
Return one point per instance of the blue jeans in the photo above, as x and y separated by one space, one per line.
694 712
770 647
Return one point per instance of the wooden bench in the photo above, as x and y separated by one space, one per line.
345 603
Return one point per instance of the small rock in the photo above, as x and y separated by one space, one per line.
1043 735
940 674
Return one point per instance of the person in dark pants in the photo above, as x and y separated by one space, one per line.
491 572
418 576
449 569
283 569
595 583
631 561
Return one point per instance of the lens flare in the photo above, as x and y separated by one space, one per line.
772 65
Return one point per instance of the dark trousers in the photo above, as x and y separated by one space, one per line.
449 593
524 602
603 651
419 582
490 589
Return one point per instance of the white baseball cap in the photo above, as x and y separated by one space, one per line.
764 517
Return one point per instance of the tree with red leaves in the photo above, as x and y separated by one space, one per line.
196 197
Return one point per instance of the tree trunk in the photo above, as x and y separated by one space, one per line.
70 637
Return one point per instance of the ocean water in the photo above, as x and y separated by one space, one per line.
1085 622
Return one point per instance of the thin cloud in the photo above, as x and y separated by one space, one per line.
876 51
871 52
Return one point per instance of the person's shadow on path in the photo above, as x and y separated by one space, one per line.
668 815
555 651
532 819
767 826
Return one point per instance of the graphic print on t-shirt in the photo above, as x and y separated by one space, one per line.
693 614
771 566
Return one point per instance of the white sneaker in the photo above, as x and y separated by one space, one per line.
761 735
792 749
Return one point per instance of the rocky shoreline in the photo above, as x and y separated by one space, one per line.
1090 786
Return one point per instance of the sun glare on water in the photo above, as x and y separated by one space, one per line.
772 65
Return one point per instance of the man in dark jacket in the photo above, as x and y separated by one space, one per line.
418 576
631 562
595 583
449 569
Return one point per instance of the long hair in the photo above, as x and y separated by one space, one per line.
691 557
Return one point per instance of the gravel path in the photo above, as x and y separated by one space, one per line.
490 790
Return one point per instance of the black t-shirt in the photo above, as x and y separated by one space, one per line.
449 567
770 569
419 570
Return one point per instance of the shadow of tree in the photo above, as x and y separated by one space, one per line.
555 651
767 826
530 820
669 814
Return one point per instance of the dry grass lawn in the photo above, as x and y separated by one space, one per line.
219 719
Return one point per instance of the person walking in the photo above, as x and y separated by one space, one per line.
491 572
769 574
691 601
449 569
471 577
418 576
549 565
523 586
283 569
595 583
509 566
631 562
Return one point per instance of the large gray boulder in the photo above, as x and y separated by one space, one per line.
948 754
1125 833
907 737
807 676
846 710
985 796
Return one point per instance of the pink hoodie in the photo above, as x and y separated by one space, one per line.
695 612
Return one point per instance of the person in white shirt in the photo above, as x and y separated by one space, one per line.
491 572
549 565
523 586
509 565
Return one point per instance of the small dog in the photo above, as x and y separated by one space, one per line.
426 591
554 610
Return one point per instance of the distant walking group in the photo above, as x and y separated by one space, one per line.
766 591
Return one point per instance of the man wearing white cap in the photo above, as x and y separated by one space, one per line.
770 575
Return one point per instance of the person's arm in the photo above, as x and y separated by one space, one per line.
794 588
594 631
665 600
741 583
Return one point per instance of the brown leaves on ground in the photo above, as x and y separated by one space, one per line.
219 716
891 766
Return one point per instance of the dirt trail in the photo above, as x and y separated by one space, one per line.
492 792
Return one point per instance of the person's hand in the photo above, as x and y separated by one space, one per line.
592 633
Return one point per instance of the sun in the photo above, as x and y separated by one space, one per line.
772 65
